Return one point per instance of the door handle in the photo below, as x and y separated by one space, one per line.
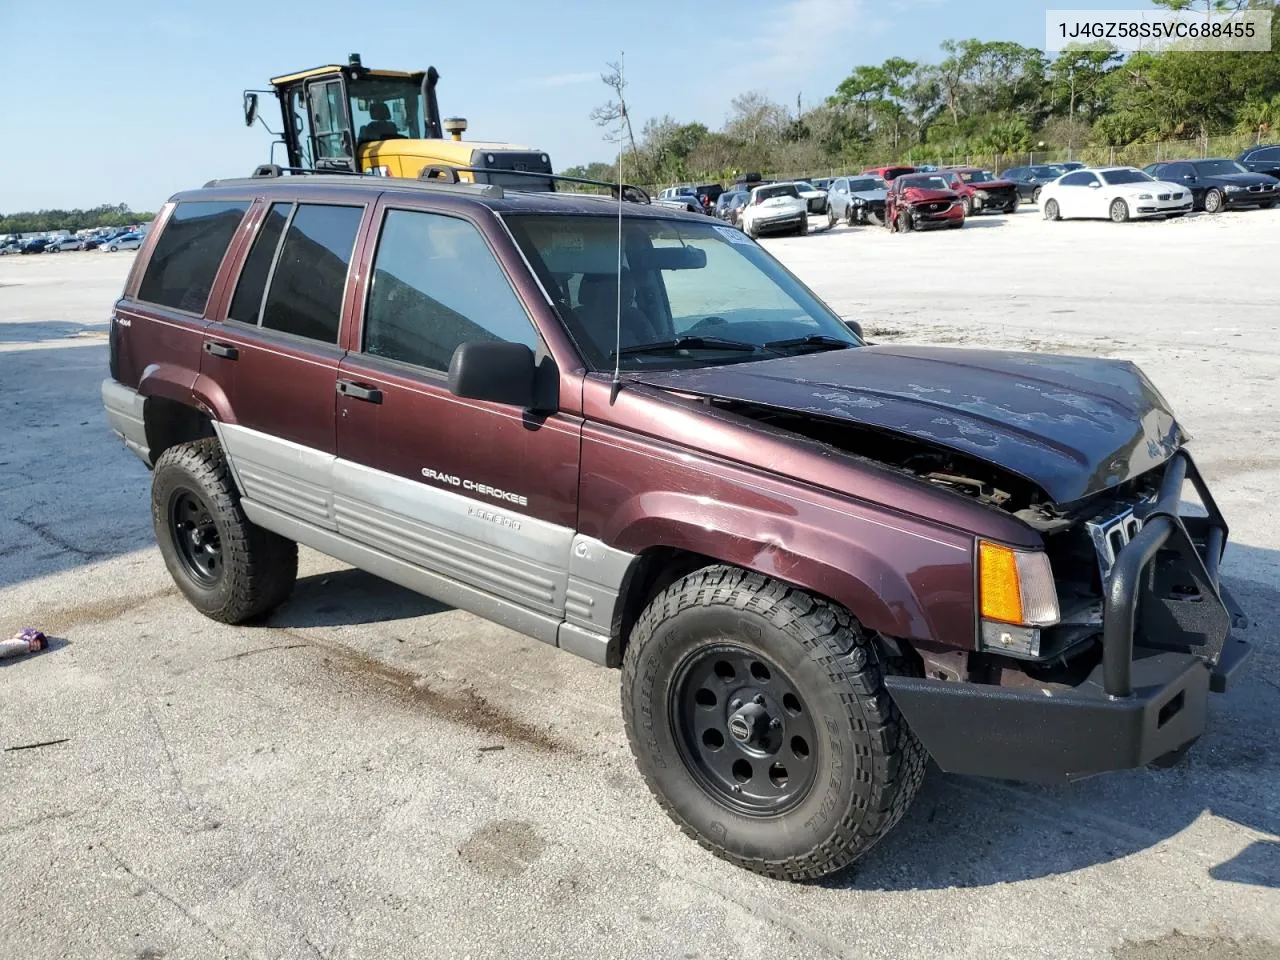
356 392
224 350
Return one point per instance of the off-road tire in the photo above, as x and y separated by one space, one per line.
868 764
1213 202
1051 211
1118 211
258 568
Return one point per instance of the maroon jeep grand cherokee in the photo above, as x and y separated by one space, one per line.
817 562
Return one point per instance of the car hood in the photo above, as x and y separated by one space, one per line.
1237 179
925 195
1072 425
993 185
870 195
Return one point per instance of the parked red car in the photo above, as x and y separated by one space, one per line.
981 191
921 200
890 172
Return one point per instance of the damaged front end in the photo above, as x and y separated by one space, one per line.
1120 626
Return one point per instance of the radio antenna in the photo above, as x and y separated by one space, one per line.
617 328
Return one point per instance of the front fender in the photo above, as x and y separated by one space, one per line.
901 579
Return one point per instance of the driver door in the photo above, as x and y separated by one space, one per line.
328 109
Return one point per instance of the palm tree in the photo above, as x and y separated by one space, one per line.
1259 117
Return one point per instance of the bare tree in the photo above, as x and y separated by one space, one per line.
607 114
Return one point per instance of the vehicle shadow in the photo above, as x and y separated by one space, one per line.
44 330
985 220
973 832
347 597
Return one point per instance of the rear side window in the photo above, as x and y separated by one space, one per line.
185 261
310 278
436 284
246 305
1077 179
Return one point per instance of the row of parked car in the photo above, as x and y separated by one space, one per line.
907 197
110 242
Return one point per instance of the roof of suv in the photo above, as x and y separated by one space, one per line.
498 199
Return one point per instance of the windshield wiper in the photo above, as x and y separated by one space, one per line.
819 340
686 343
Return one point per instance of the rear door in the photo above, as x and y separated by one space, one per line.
481 493
276 355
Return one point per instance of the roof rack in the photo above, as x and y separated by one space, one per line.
272 171
630 192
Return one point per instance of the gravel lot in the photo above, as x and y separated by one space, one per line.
372 775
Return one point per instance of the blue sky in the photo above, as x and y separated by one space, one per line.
109 101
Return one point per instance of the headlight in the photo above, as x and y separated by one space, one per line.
859 202
1017 596
1232 188
1144 196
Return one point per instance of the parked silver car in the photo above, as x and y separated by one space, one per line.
59 244
856 200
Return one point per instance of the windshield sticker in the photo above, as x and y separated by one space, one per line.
732 235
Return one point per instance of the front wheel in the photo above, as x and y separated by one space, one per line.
229 568
804 226
968 206
758 717
1035 195
904 221
1213 201
1119 211
831 219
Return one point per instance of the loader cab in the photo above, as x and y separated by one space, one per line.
354 119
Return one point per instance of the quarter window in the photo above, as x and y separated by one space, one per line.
186 258
437 285
310 276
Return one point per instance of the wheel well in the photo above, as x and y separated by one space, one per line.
170 423
651 572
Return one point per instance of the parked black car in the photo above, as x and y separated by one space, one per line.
1217 185
729 205
1031 179
1264 158
36 245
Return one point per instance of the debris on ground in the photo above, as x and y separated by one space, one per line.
25 641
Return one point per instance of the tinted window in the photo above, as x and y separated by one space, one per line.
1115 177
769 193
247 303
436 285
1081 179
1270 153
188 253
306 290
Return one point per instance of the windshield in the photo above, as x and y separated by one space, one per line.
1218 168
1049 173
865 184
385 109
936 182
976 176
1115 177
679 279
769 193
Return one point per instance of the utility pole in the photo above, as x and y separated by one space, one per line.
1071 114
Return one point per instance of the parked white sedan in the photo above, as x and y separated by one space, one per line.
1117 193
775 208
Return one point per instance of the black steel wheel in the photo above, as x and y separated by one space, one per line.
743 729
196 536
227 567
758 717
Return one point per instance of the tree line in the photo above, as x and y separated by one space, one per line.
107 215
980 98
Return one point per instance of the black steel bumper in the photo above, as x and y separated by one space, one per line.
1166 643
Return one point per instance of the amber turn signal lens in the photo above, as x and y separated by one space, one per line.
1017 585
1001 592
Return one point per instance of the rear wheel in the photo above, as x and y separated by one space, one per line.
759 719
1051 211
1213 201
230 569
1012 205
1035 195
831 218
1119 211
968 206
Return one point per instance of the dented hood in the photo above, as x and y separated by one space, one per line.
1071 425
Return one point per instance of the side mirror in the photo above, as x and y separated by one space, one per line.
1189 176
493 370
250 109
1094 185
